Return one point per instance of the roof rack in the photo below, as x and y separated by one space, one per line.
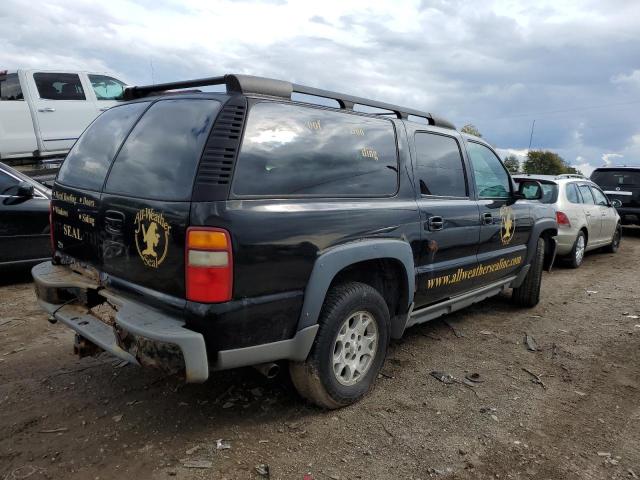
570 175
247 84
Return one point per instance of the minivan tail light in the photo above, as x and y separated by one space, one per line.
562 219
208 265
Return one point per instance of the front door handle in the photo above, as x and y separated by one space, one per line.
487 218
435 224
46 109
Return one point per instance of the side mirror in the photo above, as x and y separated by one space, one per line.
529 190
25 189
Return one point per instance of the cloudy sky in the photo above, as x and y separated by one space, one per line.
572 66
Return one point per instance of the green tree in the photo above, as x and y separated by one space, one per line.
512 163
471 130
545 162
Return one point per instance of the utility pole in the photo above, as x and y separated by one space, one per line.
531 136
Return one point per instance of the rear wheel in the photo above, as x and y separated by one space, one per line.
615 241
575 258
528 294
349 349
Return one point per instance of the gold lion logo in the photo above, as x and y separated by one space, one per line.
152 236
508 224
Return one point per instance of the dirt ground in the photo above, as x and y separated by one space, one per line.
93 418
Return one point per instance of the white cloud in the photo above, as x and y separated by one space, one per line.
632 78
609 159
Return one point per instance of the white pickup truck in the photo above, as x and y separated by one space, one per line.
42 113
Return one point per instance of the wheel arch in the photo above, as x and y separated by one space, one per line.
352 261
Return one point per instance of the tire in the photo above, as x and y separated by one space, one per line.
615 241
528 294
324 377
576 257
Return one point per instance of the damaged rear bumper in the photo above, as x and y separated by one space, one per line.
139 334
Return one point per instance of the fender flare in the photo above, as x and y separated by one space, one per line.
546 224
332 261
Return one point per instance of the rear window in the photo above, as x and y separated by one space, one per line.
549 191
290 150
611 178
159 159
87 163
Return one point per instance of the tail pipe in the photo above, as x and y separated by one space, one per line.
269 370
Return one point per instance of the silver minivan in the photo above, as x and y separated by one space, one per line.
586 218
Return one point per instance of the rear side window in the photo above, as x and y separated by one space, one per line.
59 86
293 150
87 163
159 158
587 197
572 193
10 87
439 165
611 178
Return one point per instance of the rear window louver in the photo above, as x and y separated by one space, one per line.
220 152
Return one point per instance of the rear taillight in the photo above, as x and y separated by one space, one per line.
208 265
53 248
562 219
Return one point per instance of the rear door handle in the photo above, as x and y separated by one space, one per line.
46 109
487 218
435 224
113 222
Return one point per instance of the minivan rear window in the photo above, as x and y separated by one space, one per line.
158 161
611 178
87 163
291 150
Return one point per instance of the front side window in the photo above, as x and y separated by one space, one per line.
161 154
10 87
587 197
439 165
599 197
106 88
59 86
492 180
291 150
8 184
572 193
87 163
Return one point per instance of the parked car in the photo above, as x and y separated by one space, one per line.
24 219
247 228
42 113
586 218
622 186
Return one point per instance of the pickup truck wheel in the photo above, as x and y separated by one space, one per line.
349 349
528 294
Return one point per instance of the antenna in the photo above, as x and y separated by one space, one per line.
531 136
153 82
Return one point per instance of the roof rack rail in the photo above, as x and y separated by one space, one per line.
570 175
248 84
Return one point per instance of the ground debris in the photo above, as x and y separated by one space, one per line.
444 377
197 464
536 378
263 470
55 430
530 342
222 445
455 331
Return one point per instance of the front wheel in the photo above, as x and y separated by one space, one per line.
615 241
528 294
349 349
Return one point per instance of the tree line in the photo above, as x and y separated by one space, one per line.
541 162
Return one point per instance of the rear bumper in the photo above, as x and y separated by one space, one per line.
565 241
144 335
139 334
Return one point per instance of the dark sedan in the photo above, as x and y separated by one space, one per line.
24 219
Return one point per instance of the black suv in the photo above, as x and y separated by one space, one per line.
206 231
622 186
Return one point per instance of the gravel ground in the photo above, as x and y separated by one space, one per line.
569 410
